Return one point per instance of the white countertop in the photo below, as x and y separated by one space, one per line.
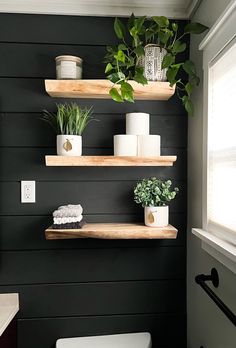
9 306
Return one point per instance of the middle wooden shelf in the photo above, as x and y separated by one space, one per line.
106 161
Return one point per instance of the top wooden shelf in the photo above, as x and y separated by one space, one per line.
99 89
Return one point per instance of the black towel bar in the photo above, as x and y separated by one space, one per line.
214 278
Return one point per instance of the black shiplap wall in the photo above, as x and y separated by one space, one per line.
82 287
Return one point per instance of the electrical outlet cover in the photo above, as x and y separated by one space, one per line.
28 192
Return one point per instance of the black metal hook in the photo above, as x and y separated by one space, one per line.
214 278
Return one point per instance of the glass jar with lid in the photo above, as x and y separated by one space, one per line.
68 67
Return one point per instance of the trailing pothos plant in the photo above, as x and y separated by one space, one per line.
123 60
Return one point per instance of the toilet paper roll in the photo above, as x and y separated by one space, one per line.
125 145
137 123
149 145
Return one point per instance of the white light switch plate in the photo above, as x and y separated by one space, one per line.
28 192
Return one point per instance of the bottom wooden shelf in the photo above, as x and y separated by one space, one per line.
113 231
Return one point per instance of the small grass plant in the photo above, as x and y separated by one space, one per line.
70 119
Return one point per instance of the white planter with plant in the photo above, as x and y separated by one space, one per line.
154 195
150 48
69 123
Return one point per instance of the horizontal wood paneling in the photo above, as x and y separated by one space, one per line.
86 265
101 197
143 297
166 330
30 130
35 60
26 232
69 30
82 287
30 163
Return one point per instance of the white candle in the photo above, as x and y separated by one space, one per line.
125 145
149 145
137 123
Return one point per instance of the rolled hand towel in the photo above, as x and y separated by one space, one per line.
68 212
65 220
71 206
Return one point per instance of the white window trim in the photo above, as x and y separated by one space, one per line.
217 39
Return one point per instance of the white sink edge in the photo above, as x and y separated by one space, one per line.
9 306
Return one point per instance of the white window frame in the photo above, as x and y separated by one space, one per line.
219 39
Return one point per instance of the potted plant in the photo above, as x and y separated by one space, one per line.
147 43
154 195
69 122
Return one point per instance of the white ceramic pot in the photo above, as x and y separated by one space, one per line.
149 145
152 61
156 216
69 145
125 145
137 123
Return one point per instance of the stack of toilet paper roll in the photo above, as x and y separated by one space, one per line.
137 141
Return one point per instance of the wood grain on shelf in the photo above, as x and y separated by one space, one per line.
104 161
99 89
113 231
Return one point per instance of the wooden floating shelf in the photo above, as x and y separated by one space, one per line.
105 161
113 231
99 89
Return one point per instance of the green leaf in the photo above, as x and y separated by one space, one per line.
195 28
171 73
139 51
122 47
175 27
138 77
189 88
119 28
109 67
162 21
138 23
129 62
126 86
116 95
188 105
131 21
148 34
120 56
133 32
189 67
128 96
167 61
179 47
115 77
194 80
164 36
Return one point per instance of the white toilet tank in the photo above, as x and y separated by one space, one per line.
131 340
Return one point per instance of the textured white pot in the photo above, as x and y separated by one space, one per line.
156 216
149 145
137 123
125 145
69 145
152 63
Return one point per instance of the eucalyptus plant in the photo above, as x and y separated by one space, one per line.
154 192
70 119
123 60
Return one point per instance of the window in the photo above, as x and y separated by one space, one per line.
221 171
218 232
